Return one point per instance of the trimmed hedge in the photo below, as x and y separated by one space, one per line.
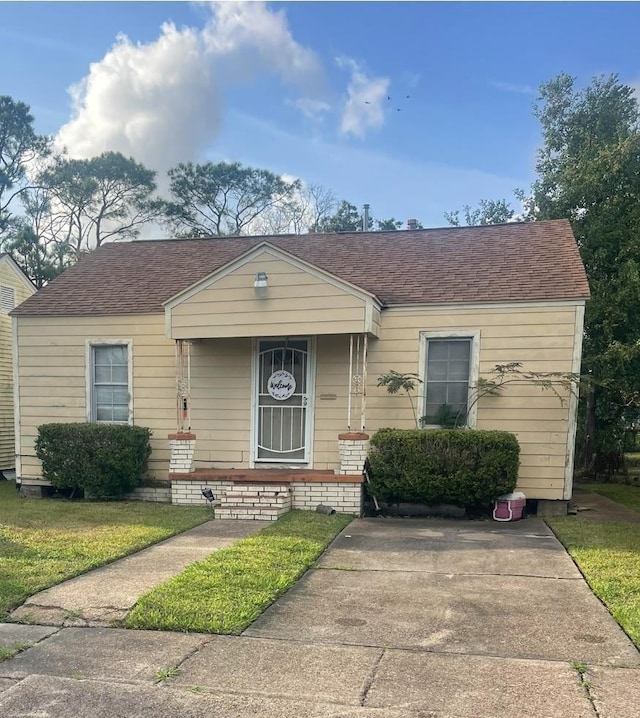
463 467
106 460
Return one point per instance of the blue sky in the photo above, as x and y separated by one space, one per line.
301 88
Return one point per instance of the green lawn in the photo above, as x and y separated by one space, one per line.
46 541
232 587
627 495
608 554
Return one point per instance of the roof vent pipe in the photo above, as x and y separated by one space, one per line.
365 218
412 224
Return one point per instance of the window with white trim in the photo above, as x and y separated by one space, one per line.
110 391
446 381
7 299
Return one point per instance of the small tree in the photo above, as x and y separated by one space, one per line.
396 382
500 376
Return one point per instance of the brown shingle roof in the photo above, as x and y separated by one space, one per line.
507 262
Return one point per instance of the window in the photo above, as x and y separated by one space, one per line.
448 364
7 299
110 383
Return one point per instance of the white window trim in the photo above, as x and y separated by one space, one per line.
474 367
89 344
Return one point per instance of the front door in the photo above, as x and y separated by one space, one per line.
282 413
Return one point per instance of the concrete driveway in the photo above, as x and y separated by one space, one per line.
400 619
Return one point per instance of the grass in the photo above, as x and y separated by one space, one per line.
232 587
164 674
608 554
7 652
46 541
624 494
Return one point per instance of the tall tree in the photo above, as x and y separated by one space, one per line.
488 211
589 171
347 218
222 199
19 145
88 202
32 255
386 225
303 212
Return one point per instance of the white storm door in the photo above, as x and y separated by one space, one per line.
283 397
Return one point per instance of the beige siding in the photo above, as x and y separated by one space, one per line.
295 303
332 382
53 384
8 278
221 402
541 338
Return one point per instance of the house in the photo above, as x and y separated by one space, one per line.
15 287
254 360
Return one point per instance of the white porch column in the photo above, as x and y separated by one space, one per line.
353 445
183 442
183 385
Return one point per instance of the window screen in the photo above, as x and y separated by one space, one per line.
110 383
447 381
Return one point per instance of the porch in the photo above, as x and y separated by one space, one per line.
292 403
265 494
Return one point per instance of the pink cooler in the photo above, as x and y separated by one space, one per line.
509 507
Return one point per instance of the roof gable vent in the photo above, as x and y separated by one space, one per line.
7 299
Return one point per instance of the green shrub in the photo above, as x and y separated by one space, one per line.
106 460
463 467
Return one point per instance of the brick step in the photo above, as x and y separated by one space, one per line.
260 488
251 513
257 506
256 494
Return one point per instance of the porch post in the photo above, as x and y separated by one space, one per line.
183 385
354 444
183 441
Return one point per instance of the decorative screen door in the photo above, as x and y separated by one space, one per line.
283 395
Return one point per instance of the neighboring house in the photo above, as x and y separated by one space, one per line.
14 289
254 354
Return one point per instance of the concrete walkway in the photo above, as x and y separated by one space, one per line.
400 619
104 596
594 507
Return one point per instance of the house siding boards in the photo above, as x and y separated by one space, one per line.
527 316
292 301
10 276
221 402
541 337
52 360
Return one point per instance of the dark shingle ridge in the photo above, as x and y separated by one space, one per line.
532 261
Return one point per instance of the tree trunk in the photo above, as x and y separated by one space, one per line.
587 459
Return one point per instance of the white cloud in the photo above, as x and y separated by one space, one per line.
514 87
366 98
255 38
158 102
162 102
312 108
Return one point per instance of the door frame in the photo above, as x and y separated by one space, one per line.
311 403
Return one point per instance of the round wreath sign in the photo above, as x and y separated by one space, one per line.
281 385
